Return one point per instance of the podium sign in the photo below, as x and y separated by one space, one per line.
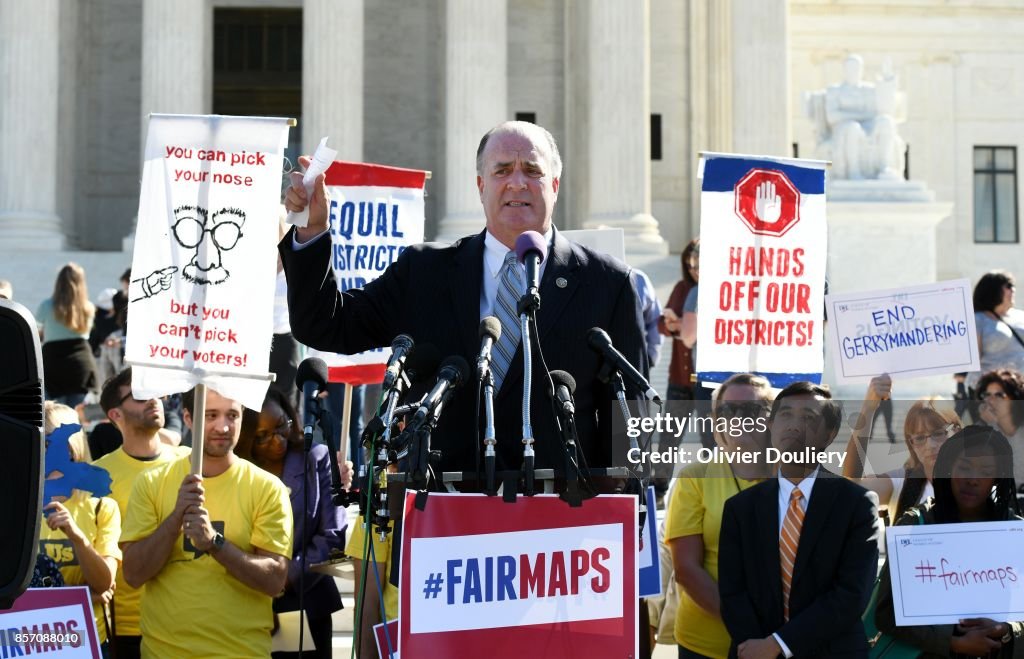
482 577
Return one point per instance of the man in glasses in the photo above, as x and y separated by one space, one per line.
140 423
212 550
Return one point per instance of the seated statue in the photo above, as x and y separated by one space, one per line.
855 124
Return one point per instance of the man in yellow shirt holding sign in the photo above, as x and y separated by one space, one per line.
141 450
212 550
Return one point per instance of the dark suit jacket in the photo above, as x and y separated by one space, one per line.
833 573
432 293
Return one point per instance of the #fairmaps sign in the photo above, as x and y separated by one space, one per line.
942 573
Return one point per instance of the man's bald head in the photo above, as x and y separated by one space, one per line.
538 134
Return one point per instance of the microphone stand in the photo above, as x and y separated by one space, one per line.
528 306
490 438
567 425
613 377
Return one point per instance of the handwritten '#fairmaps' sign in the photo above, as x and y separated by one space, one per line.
939 575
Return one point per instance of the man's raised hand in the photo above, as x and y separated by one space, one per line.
296 199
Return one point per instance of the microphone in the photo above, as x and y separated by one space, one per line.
602 343
565 387
490 332
311 379
400 349
530 250
453 372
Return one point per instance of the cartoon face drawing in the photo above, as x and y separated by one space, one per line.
210 237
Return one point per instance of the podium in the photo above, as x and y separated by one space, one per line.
481 576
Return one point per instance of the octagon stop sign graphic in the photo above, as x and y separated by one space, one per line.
767 202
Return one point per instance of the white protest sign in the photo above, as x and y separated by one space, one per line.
942 573
375 213
912 331
202 291
762 268
57 622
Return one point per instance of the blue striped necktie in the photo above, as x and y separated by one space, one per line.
510 289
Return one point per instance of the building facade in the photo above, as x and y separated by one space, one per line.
632 90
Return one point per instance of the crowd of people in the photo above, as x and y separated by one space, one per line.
763 562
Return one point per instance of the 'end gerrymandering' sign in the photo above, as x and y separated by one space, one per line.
482 577
939 576
914 331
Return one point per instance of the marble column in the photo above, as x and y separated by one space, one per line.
476 100
28 125
760 77
332 58
619 137
177 58
177 63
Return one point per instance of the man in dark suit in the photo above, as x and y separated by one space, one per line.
798 554
438 294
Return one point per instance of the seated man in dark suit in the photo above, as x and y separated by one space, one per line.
438 294
798 554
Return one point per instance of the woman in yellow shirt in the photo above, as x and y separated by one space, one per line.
80 532
694 516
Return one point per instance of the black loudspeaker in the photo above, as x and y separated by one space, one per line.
21 449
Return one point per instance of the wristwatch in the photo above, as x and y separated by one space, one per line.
218 542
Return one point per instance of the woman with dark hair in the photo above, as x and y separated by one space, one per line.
1000 393
929 423
272 439
670 324
972 484
65 320
1000 325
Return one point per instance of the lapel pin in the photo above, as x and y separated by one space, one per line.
561 282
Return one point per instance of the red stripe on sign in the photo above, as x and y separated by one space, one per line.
365 374
364 174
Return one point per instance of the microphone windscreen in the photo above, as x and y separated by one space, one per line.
458 367
422 362
402 341
561 377
598 338
530 241
312 369
490 326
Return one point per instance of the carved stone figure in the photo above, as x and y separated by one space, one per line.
855 124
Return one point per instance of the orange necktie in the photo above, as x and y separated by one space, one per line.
788 542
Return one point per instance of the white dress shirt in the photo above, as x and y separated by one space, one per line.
786 488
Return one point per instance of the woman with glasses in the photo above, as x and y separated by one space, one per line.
973 484
929 423
1000 393
1000 325
272 439
694 515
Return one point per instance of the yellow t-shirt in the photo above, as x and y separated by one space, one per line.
193 607
382 554
101 526
123 470
698 500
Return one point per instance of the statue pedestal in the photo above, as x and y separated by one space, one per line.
881 234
